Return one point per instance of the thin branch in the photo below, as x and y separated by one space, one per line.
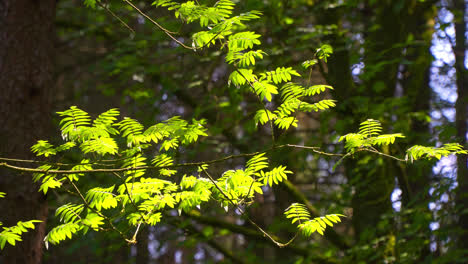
263 105
330 233
65 164
189 164
254 234
167 32
115 16
98 212
382 154
133 240
279 244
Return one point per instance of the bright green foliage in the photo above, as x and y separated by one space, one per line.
69 212
257 163
144 191
49 181
240 184
136 218
133 162
292 100
370 128
70 215
291 91
61 233
316 89
324 52
281 74
100 137
92 221
73 121
308 63
368 136
177 130
191 11
320 105
91 3
101 198
242 77
64 146
319 224
43 147
132 130
286 122
244 59
223 29
100 146
264 90
417 152
264 116
105 121
164 160
274 176
300 214
242 41
236 185
83 166
13 234
291 94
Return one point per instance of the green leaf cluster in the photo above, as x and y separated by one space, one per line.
13 234
369 135
418 152
292 96
299 213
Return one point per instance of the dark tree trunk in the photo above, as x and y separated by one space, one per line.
375 181
142 256
461 106
414 179
386 26
26 79
416 90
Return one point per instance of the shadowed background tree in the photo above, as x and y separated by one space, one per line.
27 54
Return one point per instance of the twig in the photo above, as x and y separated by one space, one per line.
382 154
133 240
98 212
167 32
188 164
279 244
115 16
263 105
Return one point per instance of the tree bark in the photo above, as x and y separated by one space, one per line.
143 255
461 118
26 78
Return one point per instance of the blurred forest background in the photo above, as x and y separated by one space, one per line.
398 61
